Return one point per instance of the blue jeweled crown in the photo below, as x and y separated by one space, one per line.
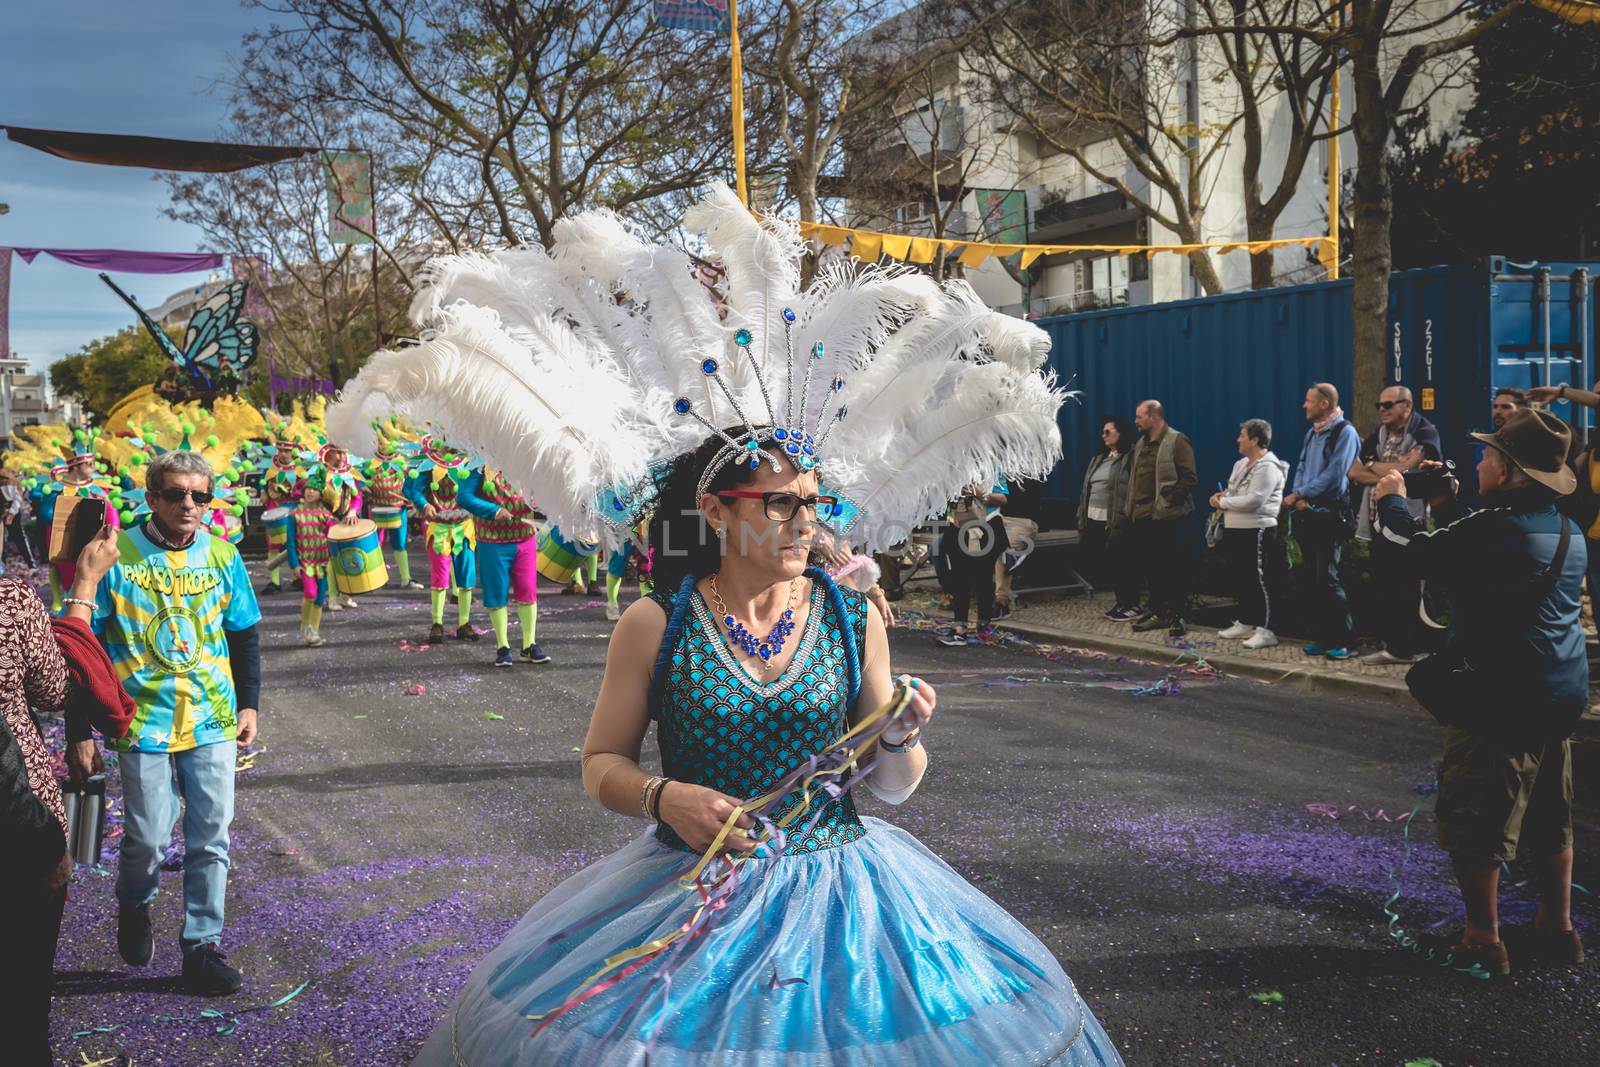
801 445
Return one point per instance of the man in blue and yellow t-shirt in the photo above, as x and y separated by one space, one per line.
178 618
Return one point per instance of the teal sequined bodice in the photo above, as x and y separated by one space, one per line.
719 728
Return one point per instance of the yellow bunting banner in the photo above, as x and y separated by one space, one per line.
868 246
1575 11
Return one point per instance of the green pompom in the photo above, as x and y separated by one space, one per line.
127 517
139 459
77 435
187 427
212 441
238 510
123 471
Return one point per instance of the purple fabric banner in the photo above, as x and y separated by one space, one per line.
705 16
118 259
303 385
5 303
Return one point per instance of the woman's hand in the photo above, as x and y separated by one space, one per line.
917 714
881 602
1216 500
99 555
697 814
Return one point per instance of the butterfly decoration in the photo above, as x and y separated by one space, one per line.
216 344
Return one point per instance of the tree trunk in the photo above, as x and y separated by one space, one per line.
1371 256
1258 227
1205 271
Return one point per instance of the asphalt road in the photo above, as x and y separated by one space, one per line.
1160 844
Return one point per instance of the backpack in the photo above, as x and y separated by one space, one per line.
1342 510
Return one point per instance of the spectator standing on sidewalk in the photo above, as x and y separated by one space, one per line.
1160 496
1103 521
1507 402
1587 492
1322 516
1250 505
1402 442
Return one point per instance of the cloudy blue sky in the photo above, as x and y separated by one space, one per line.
109 66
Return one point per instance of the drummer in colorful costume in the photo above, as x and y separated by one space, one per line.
508 557
281 485
336 483
387 505
306 543
432 488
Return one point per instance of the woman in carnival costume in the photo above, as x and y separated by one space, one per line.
804 934
339 490
508 559
387 505
82 475
432 486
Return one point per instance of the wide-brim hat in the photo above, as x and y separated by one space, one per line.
1537 443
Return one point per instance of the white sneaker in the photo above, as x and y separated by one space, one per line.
310 637
1262 638
350 602
1236 631
613 611
332 605
413 585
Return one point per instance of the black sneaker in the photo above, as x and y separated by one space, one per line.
270 588
465 632
206 974
1178 629
534 654
1124 614
953 640
502 657
1149 622
435 634
134 940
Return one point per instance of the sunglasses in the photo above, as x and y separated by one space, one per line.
1107 432
781 507
1385 405
175 496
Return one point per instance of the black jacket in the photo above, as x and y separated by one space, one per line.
1488 561
1121 477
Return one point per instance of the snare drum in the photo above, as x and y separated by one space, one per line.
387 518
356 560
559 559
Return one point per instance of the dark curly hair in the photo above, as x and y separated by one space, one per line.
681 543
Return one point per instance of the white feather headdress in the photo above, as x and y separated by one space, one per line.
577 372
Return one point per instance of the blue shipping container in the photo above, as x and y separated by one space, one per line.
1456 333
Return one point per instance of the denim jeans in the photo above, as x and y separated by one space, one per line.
152 783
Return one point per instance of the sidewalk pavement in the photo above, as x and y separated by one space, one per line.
1077 621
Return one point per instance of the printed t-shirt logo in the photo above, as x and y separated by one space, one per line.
173 638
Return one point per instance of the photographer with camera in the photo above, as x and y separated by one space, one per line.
1511 683
1403 441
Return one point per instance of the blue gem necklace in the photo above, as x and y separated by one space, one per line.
741 636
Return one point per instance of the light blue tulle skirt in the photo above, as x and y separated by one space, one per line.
873 953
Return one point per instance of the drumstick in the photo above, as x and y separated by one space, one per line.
279 560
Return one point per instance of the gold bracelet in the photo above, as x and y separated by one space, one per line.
644 795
